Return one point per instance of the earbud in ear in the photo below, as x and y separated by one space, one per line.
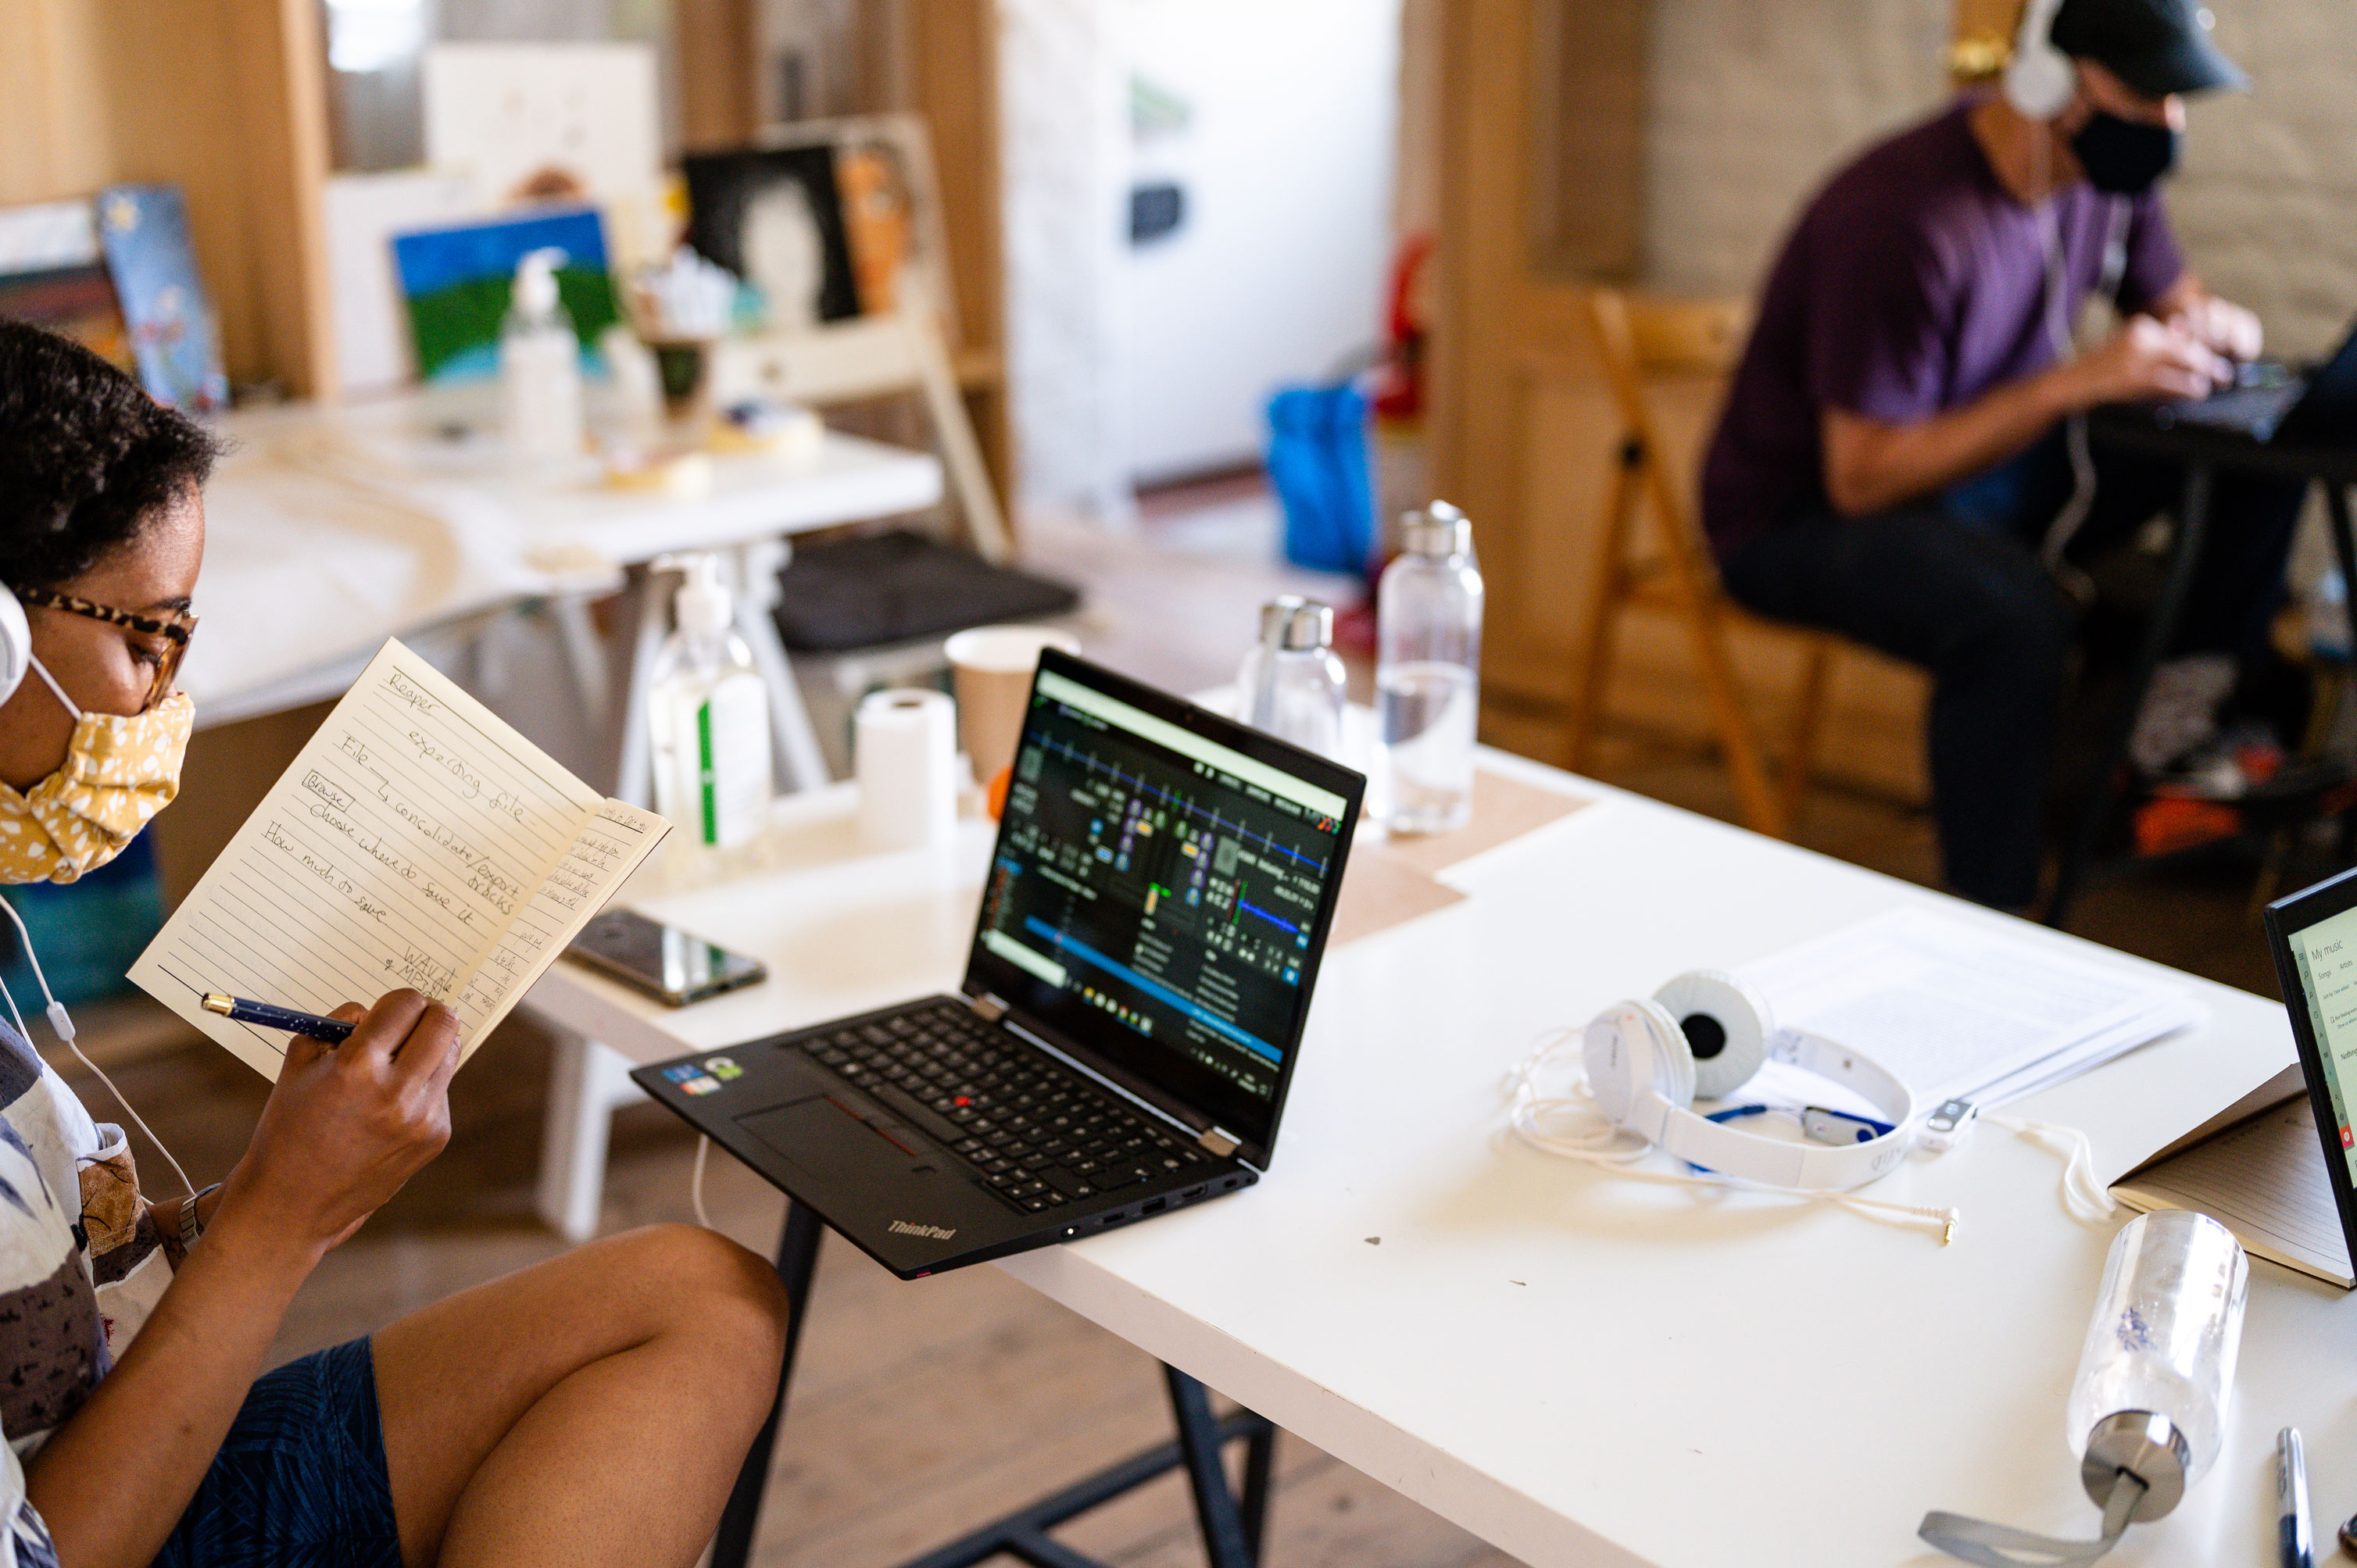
1726 1023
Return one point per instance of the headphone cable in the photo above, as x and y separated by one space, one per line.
63 1027
1617 1152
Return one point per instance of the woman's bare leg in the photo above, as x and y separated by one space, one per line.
591 1410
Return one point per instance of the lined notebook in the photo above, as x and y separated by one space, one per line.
2264 1179
419 841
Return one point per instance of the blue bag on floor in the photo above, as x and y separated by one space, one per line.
1317 461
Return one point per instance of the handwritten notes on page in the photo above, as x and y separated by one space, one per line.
417 841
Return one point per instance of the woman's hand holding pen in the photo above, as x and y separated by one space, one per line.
346 1125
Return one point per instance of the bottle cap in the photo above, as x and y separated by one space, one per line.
1439 529
535 280
703 600
2147 1447
1310 626
1276 616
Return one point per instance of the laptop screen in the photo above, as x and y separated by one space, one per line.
1161 891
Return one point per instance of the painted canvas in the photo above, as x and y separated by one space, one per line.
53 274
825 220
364 212
885 166
774 217
457 282
575 123
174 339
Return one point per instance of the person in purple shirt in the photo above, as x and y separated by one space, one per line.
1900 459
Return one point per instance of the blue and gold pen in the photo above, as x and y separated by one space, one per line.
2294 1542
239 1010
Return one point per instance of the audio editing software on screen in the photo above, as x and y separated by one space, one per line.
1163 879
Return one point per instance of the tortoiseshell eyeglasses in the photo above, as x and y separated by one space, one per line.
175 628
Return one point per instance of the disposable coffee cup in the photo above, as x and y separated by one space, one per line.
992 668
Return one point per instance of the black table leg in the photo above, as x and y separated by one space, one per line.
1225 1539
732 1544
1260 1456
2185 555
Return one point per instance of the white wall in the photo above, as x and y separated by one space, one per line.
1145 363
1278 273
1064 154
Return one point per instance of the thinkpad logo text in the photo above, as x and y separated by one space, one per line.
930 1232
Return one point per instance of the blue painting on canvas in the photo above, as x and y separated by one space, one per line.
457 282
144 230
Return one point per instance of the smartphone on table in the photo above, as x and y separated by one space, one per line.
667 963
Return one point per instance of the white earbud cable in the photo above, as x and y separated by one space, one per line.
64 1027
696 1183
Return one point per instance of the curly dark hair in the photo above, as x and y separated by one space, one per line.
86 457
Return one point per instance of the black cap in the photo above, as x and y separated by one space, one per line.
2157 47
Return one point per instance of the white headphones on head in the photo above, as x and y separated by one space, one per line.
1703 1035
2040 81
15 643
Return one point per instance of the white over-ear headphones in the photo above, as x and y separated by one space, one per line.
15 659
15 643
2040 81
1705 1034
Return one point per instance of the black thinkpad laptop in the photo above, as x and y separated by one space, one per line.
2274 400
1151 926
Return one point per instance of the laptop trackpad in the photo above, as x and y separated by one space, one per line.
827 1136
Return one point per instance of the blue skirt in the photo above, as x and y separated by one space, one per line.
300 1479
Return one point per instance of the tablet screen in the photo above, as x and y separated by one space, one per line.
2325 957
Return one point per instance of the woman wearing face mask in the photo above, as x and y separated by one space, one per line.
1896 459
591 1410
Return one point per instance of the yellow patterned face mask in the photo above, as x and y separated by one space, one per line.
118 773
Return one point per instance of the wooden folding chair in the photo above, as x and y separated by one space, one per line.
1637 337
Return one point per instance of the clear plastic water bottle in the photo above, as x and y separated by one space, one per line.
1427 676
2158 1366
1291 680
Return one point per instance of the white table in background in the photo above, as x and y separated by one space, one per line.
333 527
1577 1368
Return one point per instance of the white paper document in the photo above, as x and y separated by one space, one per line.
1958 1011
416 841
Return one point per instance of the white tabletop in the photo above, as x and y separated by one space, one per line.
1577 1368
331 528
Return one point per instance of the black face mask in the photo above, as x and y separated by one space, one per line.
2124 156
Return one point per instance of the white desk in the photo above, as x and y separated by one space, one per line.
335 527
1577 1368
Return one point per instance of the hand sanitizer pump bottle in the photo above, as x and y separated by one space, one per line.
540 367
1427 677
708 714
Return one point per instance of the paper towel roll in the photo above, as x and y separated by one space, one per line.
904 747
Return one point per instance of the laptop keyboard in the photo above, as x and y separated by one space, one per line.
1041 1135
2257 409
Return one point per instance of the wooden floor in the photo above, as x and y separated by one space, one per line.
923 1410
